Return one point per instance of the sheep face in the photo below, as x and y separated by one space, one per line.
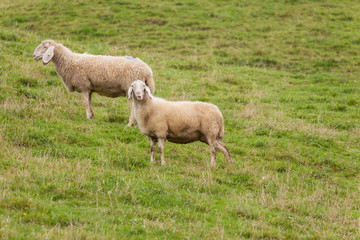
44 51
139 88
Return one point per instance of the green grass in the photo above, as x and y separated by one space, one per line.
285 75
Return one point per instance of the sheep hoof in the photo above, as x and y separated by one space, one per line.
130 124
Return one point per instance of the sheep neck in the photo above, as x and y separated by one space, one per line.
141 108
63 61
142 103
61 55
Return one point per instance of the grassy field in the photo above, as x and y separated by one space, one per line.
285 74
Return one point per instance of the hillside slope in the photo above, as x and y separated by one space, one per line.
285 75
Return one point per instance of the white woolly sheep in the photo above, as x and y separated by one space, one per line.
177 122
107 75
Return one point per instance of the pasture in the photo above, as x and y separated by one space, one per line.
285 74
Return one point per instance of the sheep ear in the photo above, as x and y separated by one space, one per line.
130 92
149 92
48 55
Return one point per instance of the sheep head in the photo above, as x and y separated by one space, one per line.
45 51
139 88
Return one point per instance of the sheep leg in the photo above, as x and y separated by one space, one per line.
213 153
152 148
86 95
132 117
161 150
224 150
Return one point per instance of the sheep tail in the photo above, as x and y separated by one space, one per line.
221 132
150 83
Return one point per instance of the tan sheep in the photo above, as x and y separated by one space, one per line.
107 75
177 122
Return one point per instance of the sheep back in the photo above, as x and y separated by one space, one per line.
182 122
107 75
112 76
